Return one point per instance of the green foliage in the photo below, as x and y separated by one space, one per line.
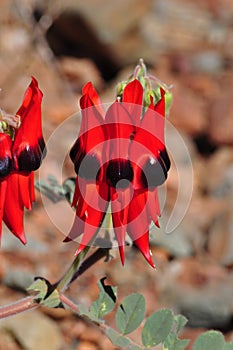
180 321
209 340
157 328
130 313
106 301
46 295
173 342
85 312
160 327
40 286
134 347
116 338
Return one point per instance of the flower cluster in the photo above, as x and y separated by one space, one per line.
22 148
120 160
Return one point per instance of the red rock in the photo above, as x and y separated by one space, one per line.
221 117
188 111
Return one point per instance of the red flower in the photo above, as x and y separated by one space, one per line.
22 150
120 159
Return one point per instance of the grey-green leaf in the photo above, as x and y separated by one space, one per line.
47 295
40 286
213 340
135 347
53 300
157 327
228 346
173 343
116 338
106 300
84 311
130 313
180 322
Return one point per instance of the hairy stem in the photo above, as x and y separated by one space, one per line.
69 303
18 307
77 268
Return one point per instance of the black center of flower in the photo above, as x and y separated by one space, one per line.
164 155
119 170
29 159
154 173
5 166
87 167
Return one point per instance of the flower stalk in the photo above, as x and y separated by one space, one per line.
68 276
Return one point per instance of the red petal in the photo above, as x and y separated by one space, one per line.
138 224
94 214
89 214
153 207
5 155
120 131
151 131
93 98
133 92
160 105
29 144
89 89
147 151
132 100
3 185
138 219
88 151
13 207
76 193
120 206
26 188
32 187
143 245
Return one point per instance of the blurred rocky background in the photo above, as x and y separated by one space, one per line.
184 43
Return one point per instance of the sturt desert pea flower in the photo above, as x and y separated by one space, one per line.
120 160
22 149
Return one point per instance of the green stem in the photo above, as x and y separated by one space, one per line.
66 279
90 261
77 268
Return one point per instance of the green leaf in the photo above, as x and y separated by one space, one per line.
40 286
130 313
157 327
106 301
172 343
52 300
46 295
228 346
84 311
135 347
180 322
116 338
213 340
